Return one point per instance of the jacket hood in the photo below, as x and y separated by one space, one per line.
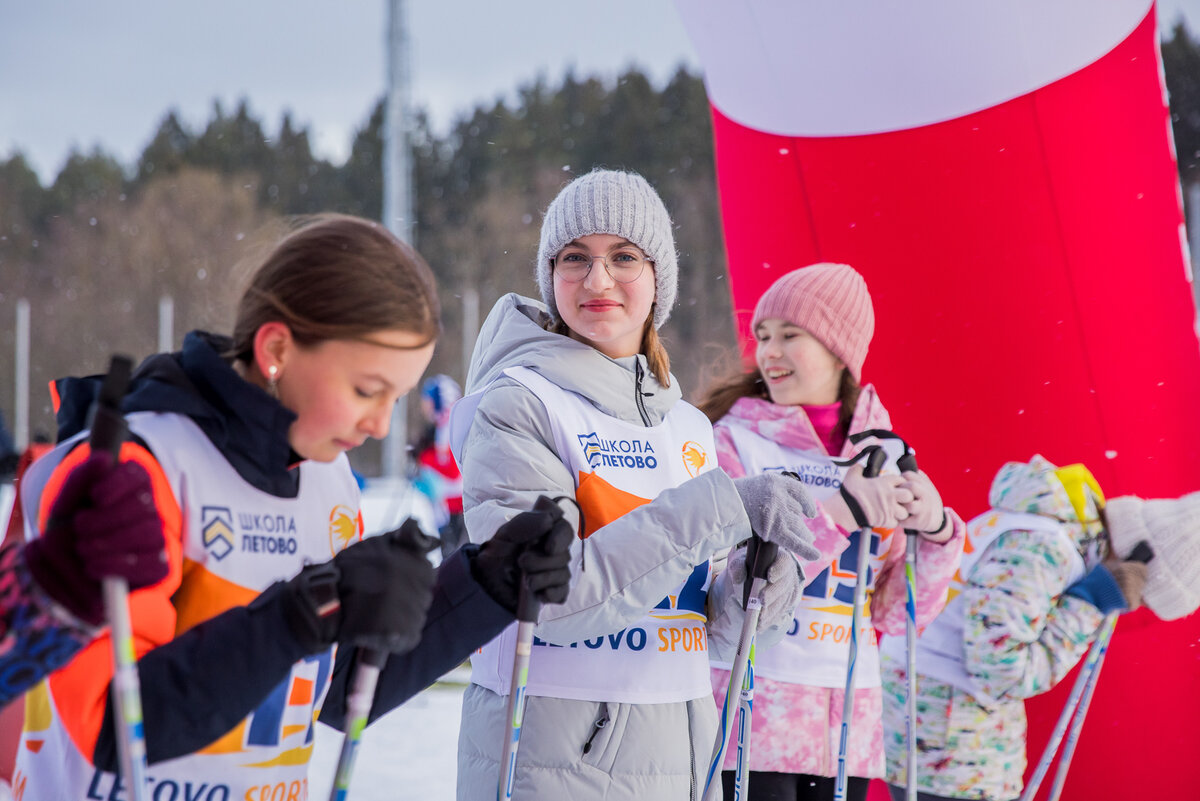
1039 487
242 421
514 336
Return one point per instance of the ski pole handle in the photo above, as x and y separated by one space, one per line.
108 428
876 456
1142 552
760 555
108 431
528 605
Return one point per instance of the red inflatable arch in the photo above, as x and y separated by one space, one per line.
1003 175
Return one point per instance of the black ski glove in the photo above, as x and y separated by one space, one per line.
374 594
536 543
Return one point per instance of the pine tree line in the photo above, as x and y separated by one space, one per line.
94 251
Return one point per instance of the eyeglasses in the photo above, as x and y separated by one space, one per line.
624 266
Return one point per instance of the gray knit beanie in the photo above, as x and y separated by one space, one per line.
617 203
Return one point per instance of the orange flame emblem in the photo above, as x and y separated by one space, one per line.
694 458
345 525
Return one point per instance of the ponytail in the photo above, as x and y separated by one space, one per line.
655 353
848 391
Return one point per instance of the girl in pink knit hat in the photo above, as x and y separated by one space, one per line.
795 410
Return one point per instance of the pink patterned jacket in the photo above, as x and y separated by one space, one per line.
795 726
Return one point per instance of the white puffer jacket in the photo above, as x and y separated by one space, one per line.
508 458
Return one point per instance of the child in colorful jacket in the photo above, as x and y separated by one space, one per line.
795 411
1029 599
437 474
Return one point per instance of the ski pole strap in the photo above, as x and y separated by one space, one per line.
860 517
874 456
907 460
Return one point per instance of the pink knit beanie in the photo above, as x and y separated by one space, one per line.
829 301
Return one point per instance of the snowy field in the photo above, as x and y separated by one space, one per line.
408 754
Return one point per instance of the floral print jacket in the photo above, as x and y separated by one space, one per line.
37 636
1022 635
795 726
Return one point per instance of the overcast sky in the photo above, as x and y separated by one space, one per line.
78 74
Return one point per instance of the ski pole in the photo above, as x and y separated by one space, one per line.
108 430
361 697
875 456
1088 675
1064 762
741 773
1081 681
358 711
528 608
908 462
905 463
763 560
759 556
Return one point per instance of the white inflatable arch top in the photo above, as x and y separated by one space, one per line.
845 67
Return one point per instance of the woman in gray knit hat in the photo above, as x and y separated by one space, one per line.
573 396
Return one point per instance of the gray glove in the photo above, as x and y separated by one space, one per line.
777 506
780 594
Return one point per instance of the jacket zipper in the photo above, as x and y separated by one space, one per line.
637 393
600 723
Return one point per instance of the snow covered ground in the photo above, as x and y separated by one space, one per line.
407 755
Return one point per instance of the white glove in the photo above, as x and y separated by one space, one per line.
1171 526
780 594
926 513
777 506
883 499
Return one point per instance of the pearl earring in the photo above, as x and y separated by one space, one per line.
273 381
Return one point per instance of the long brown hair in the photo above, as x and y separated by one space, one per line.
652 347
339 277
719 399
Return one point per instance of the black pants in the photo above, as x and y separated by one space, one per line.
795 787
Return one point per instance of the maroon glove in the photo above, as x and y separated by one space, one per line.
103 523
